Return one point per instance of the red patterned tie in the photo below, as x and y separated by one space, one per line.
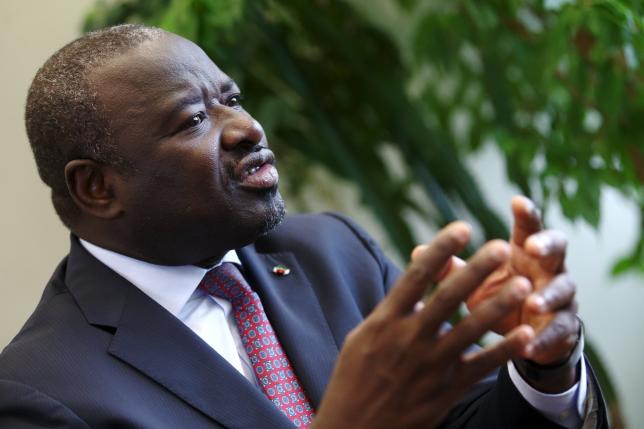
272 368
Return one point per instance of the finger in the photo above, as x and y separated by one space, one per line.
477 365
556 340
418 250
453 264
527 219
558 294
549 247
424 270
457 287
483 318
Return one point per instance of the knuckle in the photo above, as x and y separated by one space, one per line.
372 327
415 337
503 303
558 329
353 336
416 272
570 341
563 288
492 254
441 298
549 294
480 266
445 245
379 321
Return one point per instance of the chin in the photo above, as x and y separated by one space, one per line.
257 216
275 211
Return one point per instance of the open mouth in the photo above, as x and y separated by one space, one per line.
257 170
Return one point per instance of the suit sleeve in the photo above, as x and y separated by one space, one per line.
495 402
22 407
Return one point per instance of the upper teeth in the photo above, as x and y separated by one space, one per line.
253 170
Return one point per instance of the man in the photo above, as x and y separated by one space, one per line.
179 243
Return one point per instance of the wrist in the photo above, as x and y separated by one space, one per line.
558 376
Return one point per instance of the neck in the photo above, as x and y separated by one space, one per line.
158 255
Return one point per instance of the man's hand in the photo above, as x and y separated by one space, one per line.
550 309
398 368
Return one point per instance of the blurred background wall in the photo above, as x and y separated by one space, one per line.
34 241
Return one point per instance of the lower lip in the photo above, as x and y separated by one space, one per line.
264 178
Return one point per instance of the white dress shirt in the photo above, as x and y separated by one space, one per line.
175 289
211 318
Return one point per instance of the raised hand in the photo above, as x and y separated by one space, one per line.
550 309
399 368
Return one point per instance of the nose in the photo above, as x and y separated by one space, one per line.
240 128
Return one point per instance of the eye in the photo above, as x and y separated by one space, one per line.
194 120
234 100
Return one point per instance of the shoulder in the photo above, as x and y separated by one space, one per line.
57 330
22 406
322 233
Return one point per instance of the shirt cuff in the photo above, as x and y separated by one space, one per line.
564 408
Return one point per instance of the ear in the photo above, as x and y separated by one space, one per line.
93 188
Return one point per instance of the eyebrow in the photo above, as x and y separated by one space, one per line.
227 85
177 105
194 98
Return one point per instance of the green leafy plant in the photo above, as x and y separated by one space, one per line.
555 84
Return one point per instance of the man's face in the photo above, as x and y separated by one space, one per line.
203 180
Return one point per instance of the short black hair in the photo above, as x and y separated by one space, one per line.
63 116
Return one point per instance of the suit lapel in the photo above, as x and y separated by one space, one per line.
295 313
167 351
154 342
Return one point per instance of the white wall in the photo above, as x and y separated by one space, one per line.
33 241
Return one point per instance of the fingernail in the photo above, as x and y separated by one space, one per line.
522 287
501 251
528 332
539 303
418 250
529 350
462 231
541 242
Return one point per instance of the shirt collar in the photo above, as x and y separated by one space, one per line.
169 286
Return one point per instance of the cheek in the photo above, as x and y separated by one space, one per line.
199 165
186 178
189 169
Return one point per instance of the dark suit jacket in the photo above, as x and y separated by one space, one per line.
99 353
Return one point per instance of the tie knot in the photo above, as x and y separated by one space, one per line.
225 281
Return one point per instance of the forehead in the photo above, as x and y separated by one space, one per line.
155 74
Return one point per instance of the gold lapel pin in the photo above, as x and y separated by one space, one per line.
281 270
